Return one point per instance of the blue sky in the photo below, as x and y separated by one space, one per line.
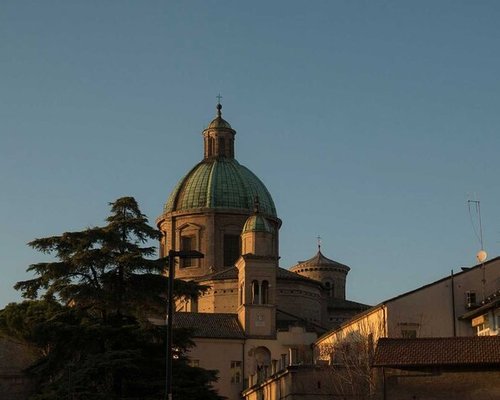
371 122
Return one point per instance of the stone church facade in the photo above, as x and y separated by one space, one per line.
256 317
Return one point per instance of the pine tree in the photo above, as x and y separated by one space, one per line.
97 297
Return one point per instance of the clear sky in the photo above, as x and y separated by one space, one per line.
371 122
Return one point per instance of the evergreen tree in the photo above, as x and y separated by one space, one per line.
106 270
92 321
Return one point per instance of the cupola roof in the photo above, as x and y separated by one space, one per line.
319 260
257 223
218 121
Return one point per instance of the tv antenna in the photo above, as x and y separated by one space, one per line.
475 205
481 255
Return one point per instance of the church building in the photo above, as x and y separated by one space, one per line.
256 318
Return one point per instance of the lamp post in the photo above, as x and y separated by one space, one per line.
172 255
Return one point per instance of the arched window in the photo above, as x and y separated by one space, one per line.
222 147
210 146
329 288
242 288
265 292
255 292
263 361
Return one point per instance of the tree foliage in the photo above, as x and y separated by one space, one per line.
108 270
88 313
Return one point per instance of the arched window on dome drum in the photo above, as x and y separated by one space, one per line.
255 292
265 292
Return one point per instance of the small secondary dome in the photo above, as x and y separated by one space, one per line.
257 223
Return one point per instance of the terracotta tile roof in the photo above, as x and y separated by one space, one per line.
228 273
453 351
205 325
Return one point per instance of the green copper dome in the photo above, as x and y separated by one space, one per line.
257 223
220 183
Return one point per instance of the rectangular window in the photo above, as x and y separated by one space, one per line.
231 249
470 298
235 371
187 243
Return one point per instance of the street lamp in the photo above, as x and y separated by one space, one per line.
172 254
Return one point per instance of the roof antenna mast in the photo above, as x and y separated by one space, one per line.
476 204
481 254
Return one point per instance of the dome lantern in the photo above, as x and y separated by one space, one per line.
218 137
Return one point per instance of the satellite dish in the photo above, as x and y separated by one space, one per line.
481 255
